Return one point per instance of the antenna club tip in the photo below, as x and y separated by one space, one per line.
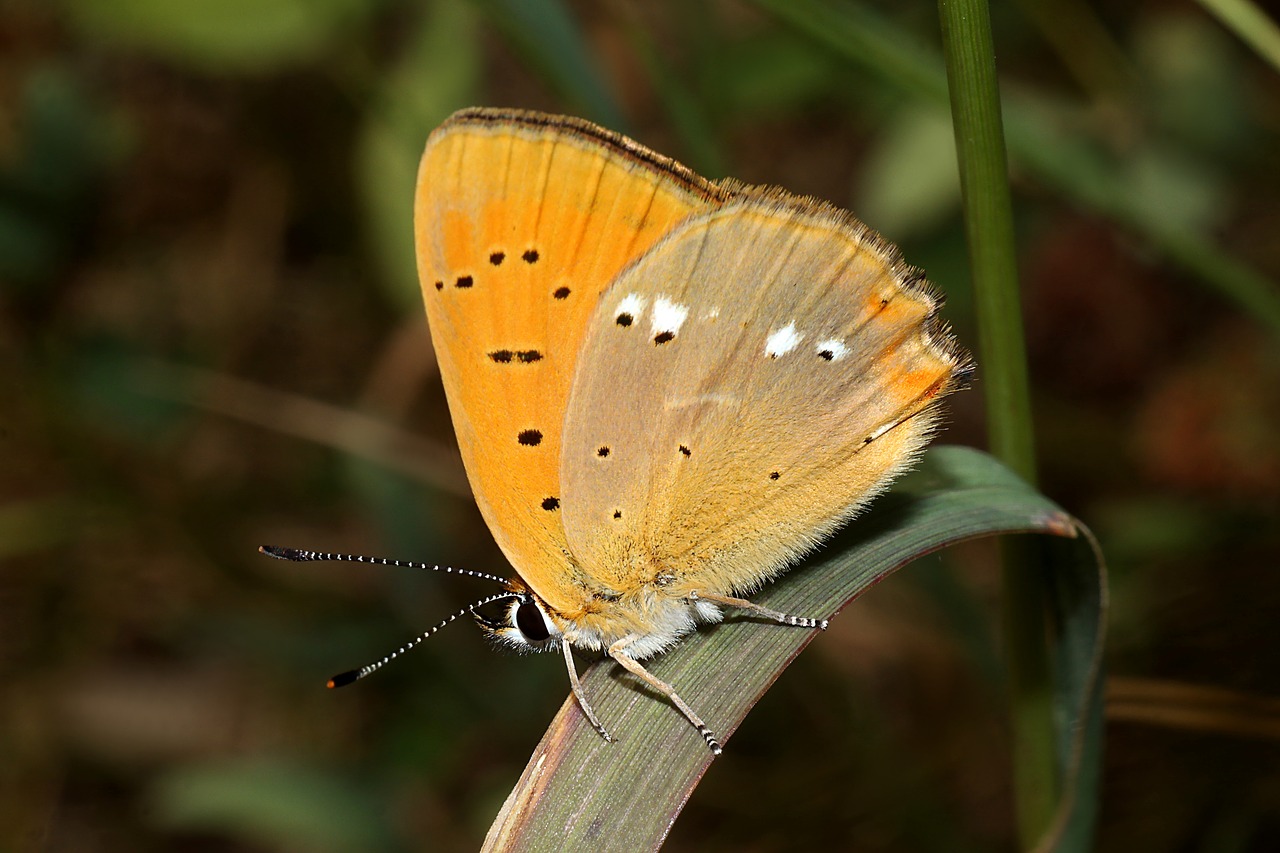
281 553
344 678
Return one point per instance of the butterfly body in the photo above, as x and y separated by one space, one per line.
665 389
650 618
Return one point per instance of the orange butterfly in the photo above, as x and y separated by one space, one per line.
665 389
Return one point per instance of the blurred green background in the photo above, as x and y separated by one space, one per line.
211 338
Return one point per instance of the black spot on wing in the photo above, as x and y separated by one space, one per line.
663 337
602 451
561 293
496 258
530 256
524 356
464 281
530 437
624 319
551 504
773 475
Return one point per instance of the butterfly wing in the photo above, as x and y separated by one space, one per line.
521 220
745 387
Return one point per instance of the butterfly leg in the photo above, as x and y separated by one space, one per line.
767 613
617 651
579 695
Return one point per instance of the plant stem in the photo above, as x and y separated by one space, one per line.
988 216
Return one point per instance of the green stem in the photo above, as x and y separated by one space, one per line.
1072 166
988 217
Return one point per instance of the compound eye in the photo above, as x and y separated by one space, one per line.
530 623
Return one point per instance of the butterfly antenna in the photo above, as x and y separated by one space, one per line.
298 555
342 679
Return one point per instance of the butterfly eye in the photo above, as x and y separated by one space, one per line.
531 623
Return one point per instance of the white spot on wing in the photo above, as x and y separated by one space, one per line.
668 316
633 304
782 341
881 431
837 349
712 314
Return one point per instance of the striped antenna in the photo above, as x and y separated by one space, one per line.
354 675
298 555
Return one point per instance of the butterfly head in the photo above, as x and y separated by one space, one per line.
522 622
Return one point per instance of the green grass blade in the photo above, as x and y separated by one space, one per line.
988 225
1250 24
580 793
1070 166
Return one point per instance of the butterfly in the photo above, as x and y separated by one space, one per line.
665 389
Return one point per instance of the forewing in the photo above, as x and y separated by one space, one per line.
521 221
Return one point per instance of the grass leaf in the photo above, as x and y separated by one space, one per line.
580 793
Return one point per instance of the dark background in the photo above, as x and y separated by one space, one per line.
211 338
